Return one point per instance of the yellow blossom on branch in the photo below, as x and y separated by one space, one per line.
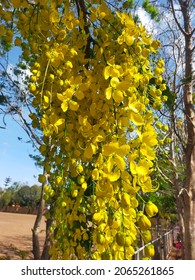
91 88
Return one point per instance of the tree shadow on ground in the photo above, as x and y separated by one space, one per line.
16 248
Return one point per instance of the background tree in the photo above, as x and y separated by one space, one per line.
176 32
20 194
7 181
178 47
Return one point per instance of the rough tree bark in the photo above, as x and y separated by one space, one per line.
37 252
188 192
189 210
36 228
176 184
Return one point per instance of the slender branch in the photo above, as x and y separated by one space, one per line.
81 7
165 177
17 86
33 135
176 20
177 134
25 126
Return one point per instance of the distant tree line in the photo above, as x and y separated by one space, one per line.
21 195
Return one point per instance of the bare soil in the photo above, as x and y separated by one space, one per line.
16 235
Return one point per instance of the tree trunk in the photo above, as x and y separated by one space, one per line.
36 230
189 191
176 180
45 253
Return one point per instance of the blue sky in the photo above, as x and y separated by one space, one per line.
14 154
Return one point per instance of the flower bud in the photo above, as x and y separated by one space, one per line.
125 200
101 239
143 222
151 209
149 251
146 236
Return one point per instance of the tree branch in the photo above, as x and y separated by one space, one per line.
165 177
81 7
175 18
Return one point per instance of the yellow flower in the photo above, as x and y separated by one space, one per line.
73 105
151 209
146 236
32 88
108 92
119 161
79 95
59 180
128 39
143 222
89 151
69 64
74 193
125 200
148 152
113 71
120 238
101 239
79 168
165 128
106 256
42 179
114 82
149 251
145 52
142 168
80 180
120 39
156 44
62 35
54 17
97 217
64 105
113 177
95 174
2 30
114 147
17 41
117 96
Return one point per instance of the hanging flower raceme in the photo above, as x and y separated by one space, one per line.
94 94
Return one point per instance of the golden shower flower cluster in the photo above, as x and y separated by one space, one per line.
91 82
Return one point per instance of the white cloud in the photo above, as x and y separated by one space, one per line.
147 21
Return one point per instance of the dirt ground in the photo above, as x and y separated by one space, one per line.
16 235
